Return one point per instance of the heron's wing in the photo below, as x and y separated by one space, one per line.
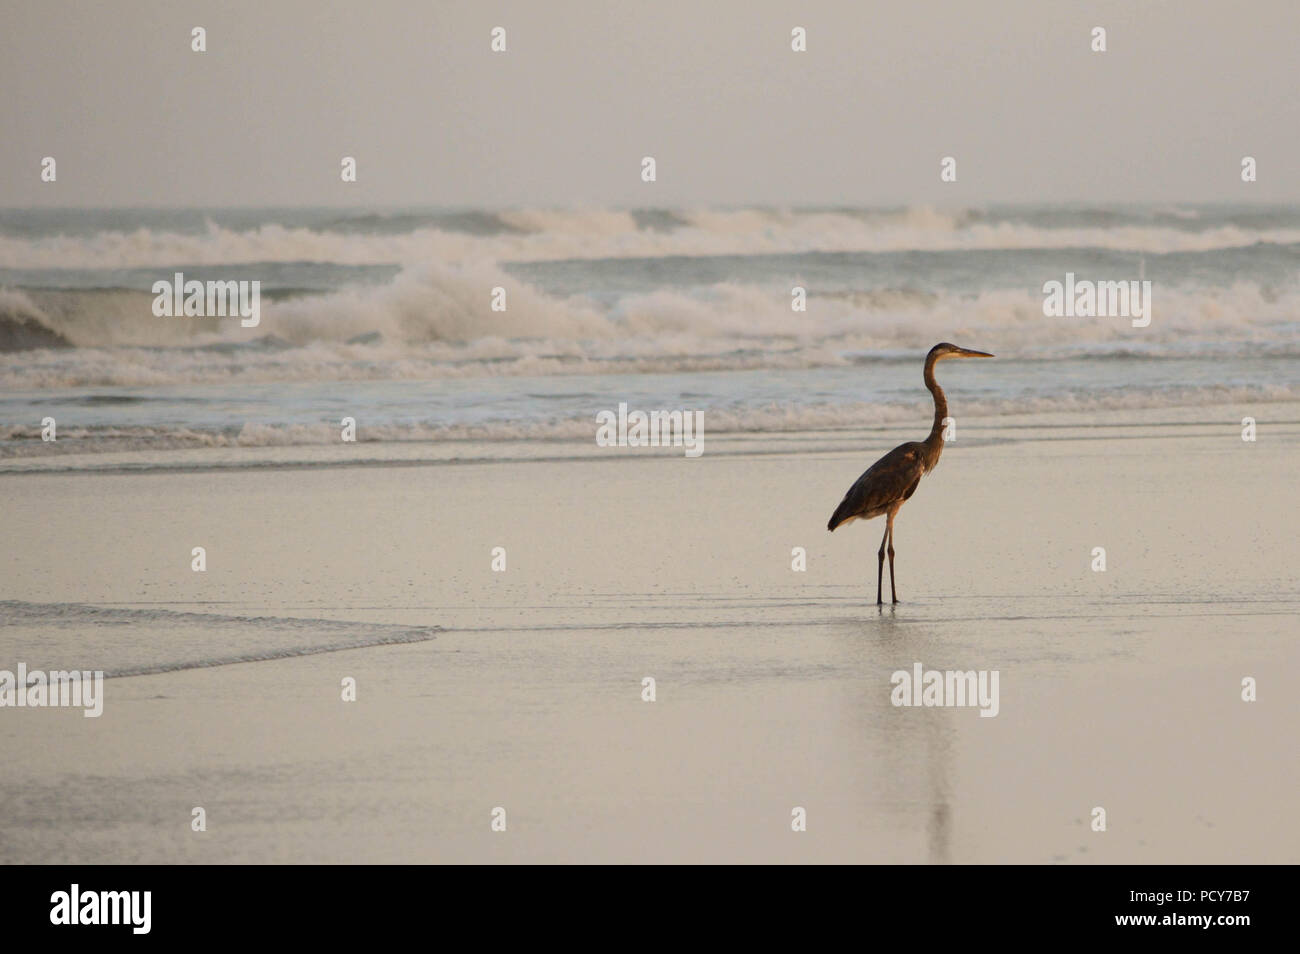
890 480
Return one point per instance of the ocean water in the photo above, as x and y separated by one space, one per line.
385 316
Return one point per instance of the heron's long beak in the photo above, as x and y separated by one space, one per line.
963 353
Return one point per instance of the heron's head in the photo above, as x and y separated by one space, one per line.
944 350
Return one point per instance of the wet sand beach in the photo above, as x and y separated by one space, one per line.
523 689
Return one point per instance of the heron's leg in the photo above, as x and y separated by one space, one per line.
889 531
880 568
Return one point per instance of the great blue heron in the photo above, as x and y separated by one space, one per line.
894 478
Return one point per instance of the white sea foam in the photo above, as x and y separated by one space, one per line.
436 322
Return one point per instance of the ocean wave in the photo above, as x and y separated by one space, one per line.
23 326
545 235
438 321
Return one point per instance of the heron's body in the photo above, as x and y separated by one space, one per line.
893 479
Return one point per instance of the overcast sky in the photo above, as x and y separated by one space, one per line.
712 90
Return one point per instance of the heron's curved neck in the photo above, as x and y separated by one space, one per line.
935 440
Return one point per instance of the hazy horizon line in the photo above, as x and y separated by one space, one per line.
620 206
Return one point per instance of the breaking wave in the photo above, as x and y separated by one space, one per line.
437 322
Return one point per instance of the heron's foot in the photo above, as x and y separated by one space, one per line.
895 601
